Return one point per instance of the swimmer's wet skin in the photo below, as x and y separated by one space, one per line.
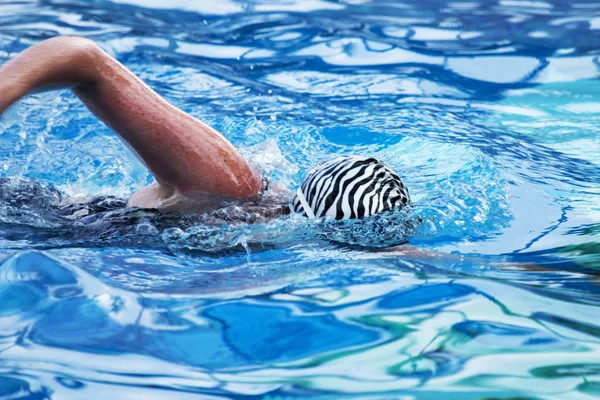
195 166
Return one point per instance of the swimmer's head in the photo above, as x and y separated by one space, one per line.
350 187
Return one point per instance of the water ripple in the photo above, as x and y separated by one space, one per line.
487 109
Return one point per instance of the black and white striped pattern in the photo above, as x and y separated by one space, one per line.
350 187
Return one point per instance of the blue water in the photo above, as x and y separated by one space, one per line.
489 110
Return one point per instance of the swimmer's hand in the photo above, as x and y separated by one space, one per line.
184 154
447 260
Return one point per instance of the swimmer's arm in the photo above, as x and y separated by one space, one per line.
417 253
184 154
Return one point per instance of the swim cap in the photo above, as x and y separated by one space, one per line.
350 187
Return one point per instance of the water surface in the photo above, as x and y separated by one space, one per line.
489 110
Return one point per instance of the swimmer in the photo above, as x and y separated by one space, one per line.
194 166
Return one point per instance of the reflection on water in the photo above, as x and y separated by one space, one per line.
489 111
397 325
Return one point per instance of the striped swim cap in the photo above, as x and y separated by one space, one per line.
350 187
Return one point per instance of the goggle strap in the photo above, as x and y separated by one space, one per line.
304 203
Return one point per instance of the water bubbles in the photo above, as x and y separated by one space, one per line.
70 383
145 228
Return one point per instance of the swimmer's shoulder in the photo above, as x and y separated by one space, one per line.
273 200
148 197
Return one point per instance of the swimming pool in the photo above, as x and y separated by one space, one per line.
489 110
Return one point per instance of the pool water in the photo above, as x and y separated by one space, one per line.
489 110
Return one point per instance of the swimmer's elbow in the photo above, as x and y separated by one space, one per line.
77 57
87 54
55 63
77 45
